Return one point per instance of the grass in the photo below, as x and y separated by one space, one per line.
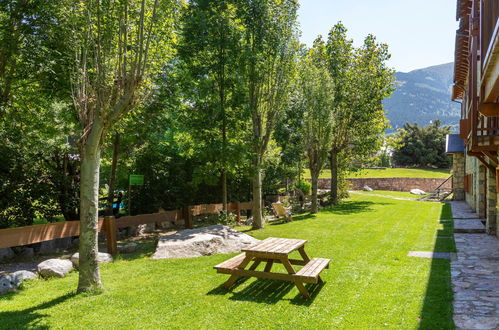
371 282
390 173
397 194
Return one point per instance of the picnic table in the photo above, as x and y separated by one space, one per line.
275 250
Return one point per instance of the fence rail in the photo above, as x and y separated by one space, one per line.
39 233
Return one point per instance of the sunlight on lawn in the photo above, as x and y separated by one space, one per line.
371 282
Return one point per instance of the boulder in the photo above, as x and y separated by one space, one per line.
101 257
54 268
165 225
22 275
248 221
27 252
128 247
7 284
55 245
202 242
417 192
367 188
146 228
6 254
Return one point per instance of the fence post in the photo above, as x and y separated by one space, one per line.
187 215
112 243
238 212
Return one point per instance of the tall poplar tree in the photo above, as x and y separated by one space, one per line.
315 90
270 46
210 53
362 80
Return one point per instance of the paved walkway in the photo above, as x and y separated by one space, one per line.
475 276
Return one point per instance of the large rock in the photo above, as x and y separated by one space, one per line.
27 252
54 268
7 284
6 254
202 242
55 245
417 192
146 228
101 257
22 275
128 247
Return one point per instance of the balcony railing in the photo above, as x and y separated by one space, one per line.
489 27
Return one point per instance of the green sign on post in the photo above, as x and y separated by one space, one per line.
136 180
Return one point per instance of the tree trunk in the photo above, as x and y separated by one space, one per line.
112 180
89 276
315 179
257 201
334 177
224 190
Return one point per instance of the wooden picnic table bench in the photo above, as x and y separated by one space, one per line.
275 250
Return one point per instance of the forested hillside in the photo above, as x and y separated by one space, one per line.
422 96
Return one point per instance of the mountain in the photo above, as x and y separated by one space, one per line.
422 96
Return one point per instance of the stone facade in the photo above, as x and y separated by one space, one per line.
482 191
458 162
392 184
491 203
481 195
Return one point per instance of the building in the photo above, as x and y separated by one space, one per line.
476 87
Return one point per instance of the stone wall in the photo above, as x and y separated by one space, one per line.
458 176
491 202
393 184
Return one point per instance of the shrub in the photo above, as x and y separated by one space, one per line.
304 186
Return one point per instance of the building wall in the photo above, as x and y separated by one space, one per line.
458 164
491 224
471 167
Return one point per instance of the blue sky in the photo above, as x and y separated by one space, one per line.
419 33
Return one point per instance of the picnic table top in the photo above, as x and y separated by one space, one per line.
274 245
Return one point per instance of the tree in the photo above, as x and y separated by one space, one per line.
270 48
422 146
210 65
119 46
316 88
362 81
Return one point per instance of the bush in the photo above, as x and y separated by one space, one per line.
304 186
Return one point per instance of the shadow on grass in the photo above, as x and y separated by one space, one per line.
437 308
30 317
353 207
268 291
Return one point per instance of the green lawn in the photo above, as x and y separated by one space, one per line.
371 282
391 173
396 194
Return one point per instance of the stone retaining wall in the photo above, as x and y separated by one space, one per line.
393 184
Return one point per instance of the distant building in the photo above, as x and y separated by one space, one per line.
476 86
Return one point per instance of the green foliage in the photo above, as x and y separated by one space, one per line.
212 119
362 80
423 146
304 186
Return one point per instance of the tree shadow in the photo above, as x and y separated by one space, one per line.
30 317
437 310
353 207
268 291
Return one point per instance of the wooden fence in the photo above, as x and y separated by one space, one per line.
38 233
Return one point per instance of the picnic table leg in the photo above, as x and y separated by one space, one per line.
298 283
268 266
255 264
304 254
233 278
